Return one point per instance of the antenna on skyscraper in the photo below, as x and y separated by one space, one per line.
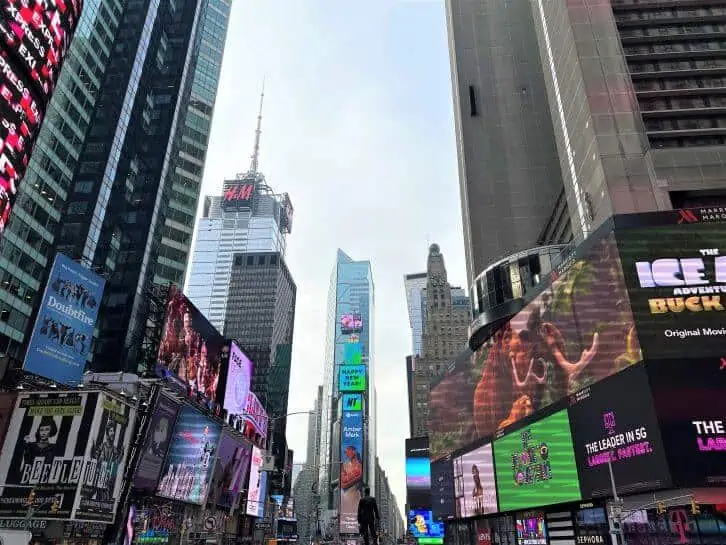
256 151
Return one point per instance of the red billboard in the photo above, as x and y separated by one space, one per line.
34 38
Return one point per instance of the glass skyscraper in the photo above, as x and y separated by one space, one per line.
26 249
225 230
121 158
351 294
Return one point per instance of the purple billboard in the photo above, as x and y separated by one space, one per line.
237 381
230 472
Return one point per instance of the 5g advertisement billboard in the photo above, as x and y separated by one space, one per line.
71 448
63 330
614 422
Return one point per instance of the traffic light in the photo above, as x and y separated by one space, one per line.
661 508
30 500
695 508
55 506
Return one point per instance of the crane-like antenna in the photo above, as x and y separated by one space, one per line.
256 151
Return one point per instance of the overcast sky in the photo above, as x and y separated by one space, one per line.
358 129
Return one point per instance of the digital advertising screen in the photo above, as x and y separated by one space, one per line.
676 278
61 337
230 471
188 467
576 331
22 114
352 402
352 378
352 353
350 323
535 466
351 469
421 525
238 194
418 473
255 414
237 379
256 486
475 490
691 406
191 349
531 529
156 445
443 500
52 439
613 421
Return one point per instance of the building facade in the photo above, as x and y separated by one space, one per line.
26 249
350 323
124 154
261 316
391 519
227 228
306 484
415 284
446 316
505 139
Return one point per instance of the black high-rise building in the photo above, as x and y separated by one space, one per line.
133 198
261 315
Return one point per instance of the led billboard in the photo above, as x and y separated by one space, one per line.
418 473
255 415
191 349
676 278
230 471
475 489
256 486
350 323
156 445
61 338
531 529
238 195
352 402
352 378
71 448
235 380
421 525
691 407
575 331
613 422
535 465
190 461
443 500
34 35
352 353
351 469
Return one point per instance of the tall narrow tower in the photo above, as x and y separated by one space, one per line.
348 438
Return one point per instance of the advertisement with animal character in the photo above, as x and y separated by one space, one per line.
578 330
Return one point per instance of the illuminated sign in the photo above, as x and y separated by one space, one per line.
239 194
352 402
352 378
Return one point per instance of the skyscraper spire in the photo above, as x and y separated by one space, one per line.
256 151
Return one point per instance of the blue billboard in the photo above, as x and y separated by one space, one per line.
63 330
351 471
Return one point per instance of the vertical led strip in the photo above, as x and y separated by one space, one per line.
584 222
